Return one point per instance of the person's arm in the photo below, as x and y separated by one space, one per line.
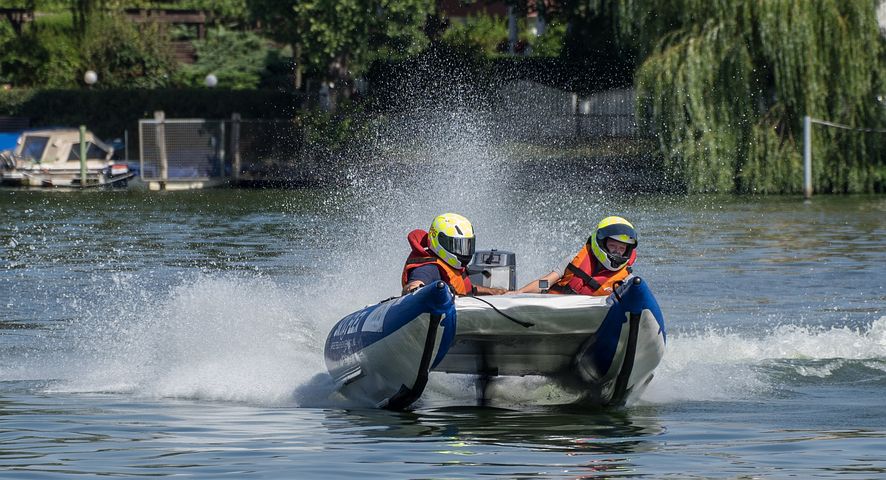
481 290
532 287
421 276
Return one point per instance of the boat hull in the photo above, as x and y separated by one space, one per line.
603 350
34 178
382 354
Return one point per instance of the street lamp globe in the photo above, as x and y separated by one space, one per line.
211 80
90 77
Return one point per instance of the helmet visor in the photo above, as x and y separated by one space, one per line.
621 232
459 246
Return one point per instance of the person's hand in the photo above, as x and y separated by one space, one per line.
512 292
412 286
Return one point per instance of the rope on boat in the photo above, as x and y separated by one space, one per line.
522 323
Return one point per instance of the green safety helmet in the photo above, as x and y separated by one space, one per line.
451 237
618 229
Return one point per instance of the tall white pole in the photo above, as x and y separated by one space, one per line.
82 156
807 156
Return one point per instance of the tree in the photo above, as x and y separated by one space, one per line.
45 54
337 39
236 58
725 86
82 11
126 55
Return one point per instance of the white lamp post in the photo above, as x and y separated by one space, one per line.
90 77
211 80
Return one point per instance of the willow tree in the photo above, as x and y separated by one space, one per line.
724 84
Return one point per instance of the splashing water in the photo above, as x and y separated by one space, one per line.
720 365
258 337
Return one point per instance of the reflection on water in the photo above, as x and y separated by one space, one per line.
488 441
562 429
115 306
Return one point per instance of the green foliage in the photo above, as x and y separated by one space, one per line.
108 112
44 55
226 12
489 34
339 38
785 174
483 33
237 59
725 85
327 133
7 38
126 55
551 43
11 101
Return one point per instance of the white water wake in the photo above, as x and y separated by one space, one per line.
721 365
248 339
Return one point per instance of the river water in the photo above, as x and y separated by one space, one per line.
181 333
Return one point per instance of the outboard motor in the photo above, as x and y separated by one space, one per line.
494 269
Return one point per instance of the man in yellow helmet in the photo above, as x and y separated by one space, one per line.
603 261
443 253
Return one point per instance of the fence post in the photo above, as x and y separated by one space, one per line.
82 156
222 151
235 148
160 126
807 156
575 115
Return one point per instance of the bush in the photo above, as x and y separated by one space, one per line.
484 33
45 54
237 59
127 56
109 112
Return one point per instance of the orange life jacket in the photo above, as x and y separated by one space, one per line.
585 276
420 255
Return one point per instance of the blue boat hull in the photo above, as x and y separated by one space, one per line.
603 350
383 353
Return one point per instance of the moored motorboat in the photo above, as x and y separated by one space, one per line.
51 158
602 349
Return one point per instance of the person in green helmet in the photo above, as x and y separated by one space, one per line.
443 253
604 261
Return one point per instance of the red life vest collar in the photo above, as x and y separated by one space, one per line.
421 255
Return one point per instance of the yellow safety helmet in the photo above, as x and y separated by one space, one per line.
616 228
451 237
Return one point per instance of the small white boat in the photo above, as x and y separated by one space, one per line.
603 350
51 158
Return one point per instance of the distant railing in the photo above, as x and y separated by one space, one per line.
181 149
533 111
807 146
14 124
201 150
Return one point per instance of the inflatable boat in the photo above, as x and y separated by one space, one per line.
603 350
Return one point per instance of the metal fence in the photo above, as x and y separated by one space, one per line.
189 150
14 124
181 149
202 150
533 111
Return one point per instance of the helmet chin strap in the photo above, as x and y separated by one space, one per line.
617 259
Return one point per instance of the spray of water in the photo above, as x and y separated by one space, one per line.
722 365
251 338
